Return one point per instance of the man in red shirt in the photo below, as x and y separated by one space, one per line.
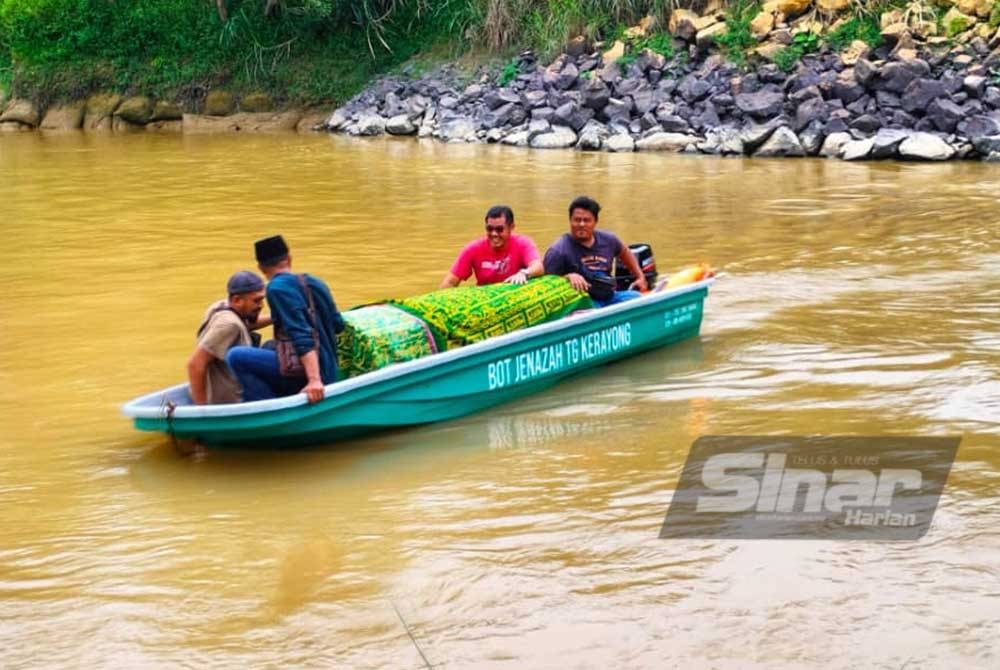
501 256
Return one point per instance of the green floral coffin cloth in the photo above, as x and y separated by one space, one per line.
377 335
467 314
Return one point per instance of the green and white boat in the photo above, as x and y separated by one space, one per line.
438 387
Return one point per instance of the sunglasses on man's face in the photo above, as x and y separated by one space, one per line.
496 229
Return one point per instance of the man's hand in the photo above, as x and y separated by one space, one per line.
520 277
450 281
629 260
313 390
640 284
578 282
314 384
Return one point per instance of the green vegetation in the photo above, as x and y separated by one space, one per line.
317 51
957 24
546 26
508 73
737 38
301 51
802 44
625 61
661 43
862 27
6 72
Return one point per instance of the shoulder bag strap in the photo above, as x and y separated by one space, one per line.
312 308
224 308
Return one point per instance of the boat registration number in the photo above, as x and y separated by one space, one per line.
679 315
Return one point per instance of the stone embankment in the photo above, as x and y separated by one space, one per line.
220 112
916 96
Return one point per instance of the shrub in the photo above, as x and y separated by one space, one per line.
862 27
956 25
508 73
737 38
51 49
661 43
802 44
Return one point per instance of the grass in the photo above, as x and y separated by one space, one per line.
802 44
661 43
956 25
737 39
624 61
861 27
508 73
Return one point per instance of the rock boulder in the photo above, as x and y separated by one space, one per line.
782 142
256 102
856 150
761 105
64 117
665 142
21 111
400 125
619 143
559 137
219 103
925 146
167 111
244 122
136 110
99 111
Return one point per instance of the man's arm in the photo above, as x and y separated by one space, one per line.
289 308
534 269
223 330
198 374
628 258
314 384
555 264
461 269
450 281
529 258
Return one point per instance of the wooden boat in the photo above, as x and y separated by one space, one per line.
438 387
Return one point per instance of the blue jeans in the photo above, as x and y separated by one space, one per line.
619 296
259 374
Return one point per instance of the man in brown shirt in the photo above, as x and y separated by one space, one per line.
227 323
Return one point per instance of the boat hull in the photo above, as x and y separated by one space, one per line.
440 387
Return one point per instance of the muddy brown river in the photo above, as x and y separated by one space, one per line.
859 299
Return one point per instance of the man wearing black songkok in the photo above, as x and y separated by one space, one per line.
304 312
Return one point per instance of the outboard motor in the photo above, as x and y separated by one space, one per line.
644 254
